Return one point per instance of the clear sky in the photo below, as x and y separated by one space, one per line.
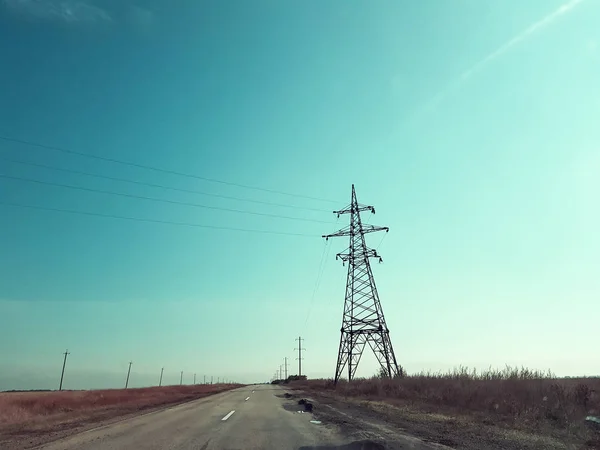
472 126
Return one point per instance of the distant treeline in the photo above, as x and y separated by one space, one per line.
290 378
30 390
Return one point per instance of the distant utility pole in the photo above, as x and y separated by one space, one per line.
62 374
218 378
211 379
194 378
204 379
285 359
181 379
128 372
299 355
160 381
280 371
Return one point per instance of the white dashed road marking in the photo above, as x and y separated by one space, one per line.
228 415
247 398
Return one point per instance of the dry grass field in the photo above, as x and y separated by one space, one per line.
512 398
24 415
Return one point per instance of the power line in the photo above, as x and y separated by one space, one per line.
317 281
156 169
160 186
381 242
320 273
155 199
164 222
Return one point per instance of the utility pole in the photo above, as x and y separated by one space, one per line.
160 381
280 371
211 379
128 372
362 321
181 379
218 378
299 358
62 374
194 378
285 359
204 379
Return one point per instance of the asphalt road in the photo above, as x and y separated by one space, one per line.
252 417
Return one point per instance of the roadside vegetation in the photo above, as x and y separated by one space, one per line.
23 414
516 398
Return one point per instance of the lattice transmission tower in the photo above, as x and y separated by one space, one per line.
363 320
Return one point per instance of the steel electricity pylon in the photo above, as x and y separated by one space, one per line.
363 320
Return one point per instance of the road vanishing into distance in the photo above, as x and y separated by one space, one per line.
251 417
246 418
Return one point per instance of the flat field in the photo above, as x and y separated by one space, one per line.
27 416
464 406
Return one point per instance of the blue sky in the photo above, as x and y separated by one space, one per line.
471 126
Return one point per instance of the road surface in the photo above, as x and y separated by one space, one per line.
252 417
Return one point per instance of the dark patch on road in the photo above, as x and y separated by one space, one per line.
357 445
291 407
285 395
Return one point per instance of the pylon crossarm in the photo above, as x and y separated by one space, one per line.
348 209
347 231
373 228
340 233
370 253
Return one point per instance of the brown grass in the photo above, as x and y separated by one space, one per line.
518 398
23 413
